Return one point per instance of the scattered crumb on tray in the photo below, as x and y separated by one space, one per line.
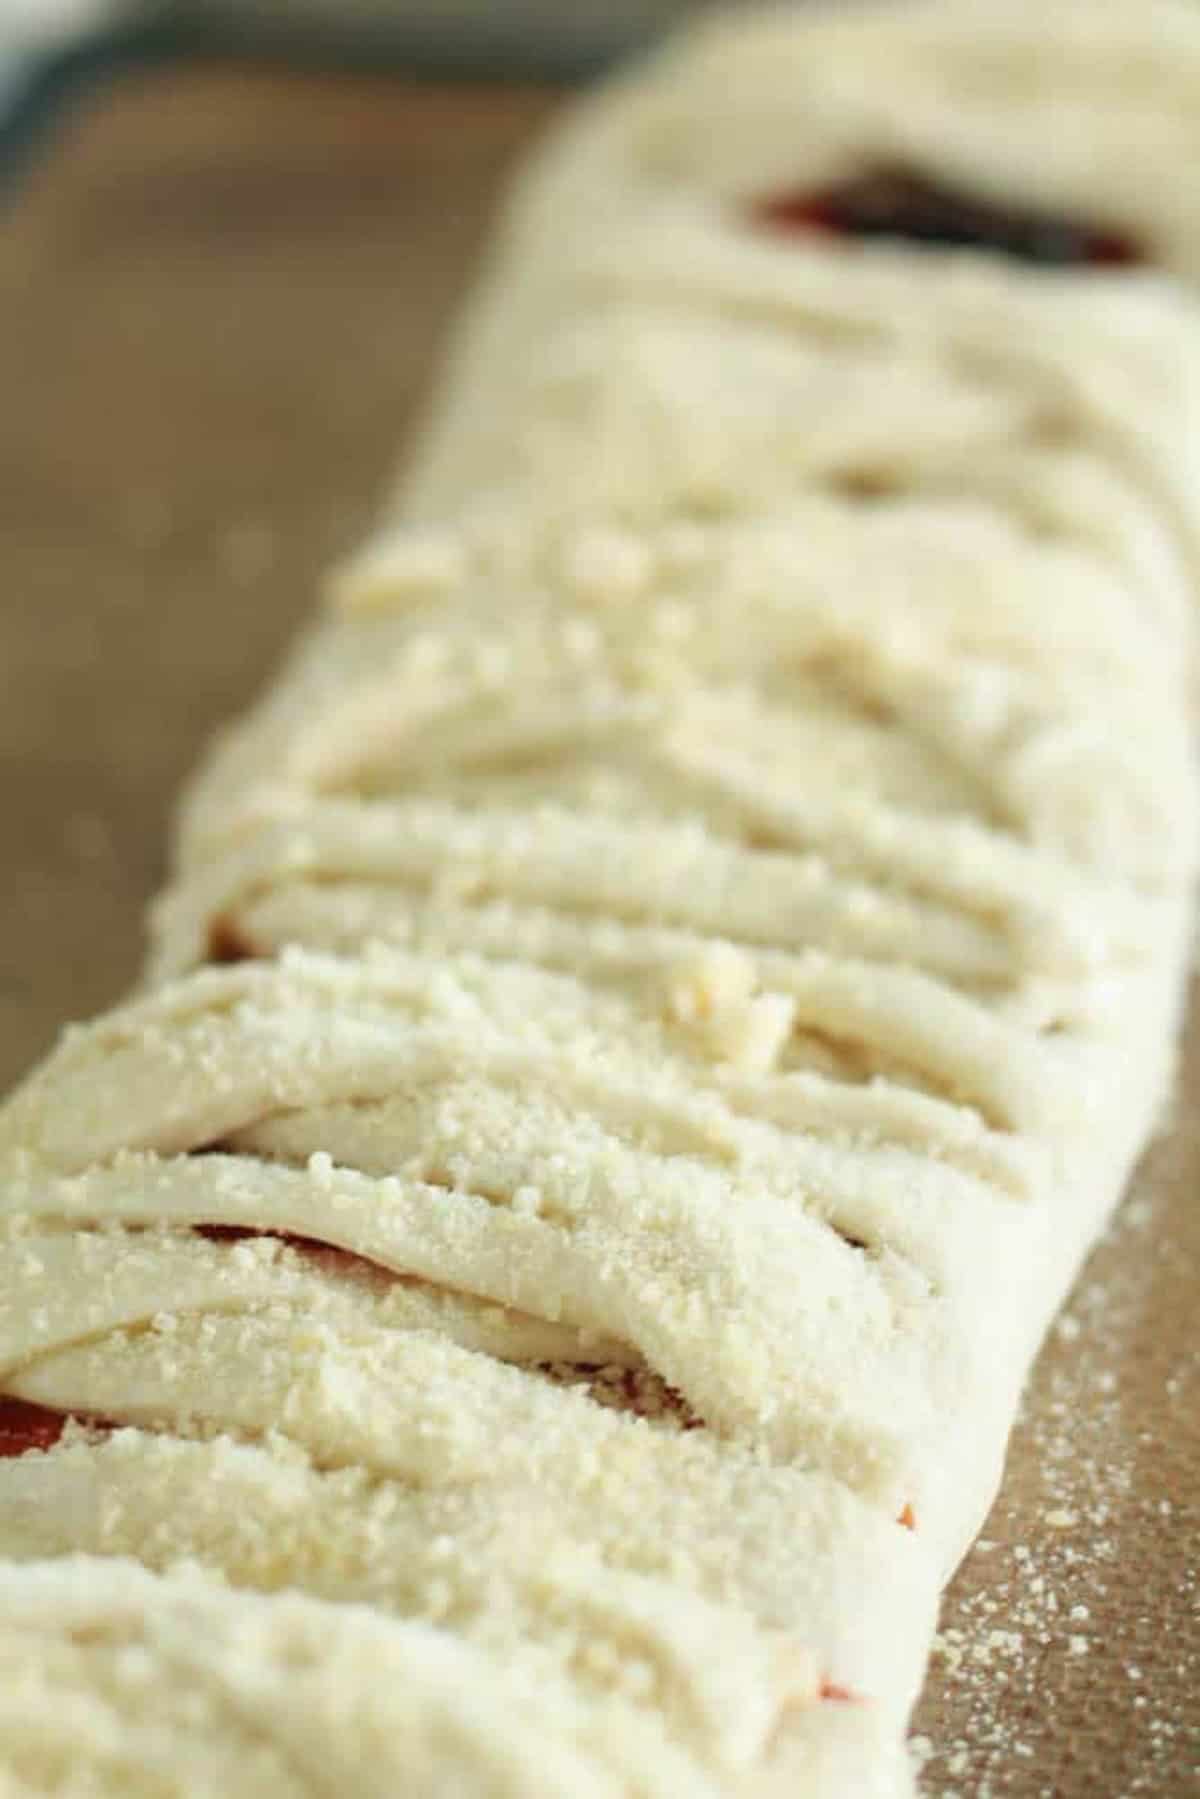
1069 1655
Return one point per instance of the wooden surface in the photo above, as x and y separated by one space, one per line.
219 296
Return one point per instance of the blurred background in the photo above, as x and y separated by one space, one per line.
47 47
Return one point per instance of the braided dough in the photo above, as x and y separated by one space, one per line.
656 1003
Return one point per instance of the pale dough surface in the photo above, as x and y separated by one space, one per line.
717 885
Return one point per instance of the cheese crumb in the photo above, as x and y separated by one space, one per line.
607 565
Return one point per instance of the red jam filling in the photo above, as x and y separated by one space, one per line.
830 1690
226 944
891 201
343 1261
24 1427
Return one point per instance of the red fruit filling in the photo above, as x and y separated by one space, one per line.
226 943
341 1261
24 1426
891 201
830 1690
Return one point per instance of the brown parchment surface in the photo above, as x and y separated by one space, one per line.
220 291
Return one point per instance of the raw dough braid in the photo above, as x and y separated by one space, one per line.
656 1003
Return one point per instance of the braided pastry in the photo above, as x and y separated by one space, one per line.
653 1007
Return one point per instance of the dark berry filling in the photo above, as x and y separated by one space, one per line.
227 945
895 202
24 1426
